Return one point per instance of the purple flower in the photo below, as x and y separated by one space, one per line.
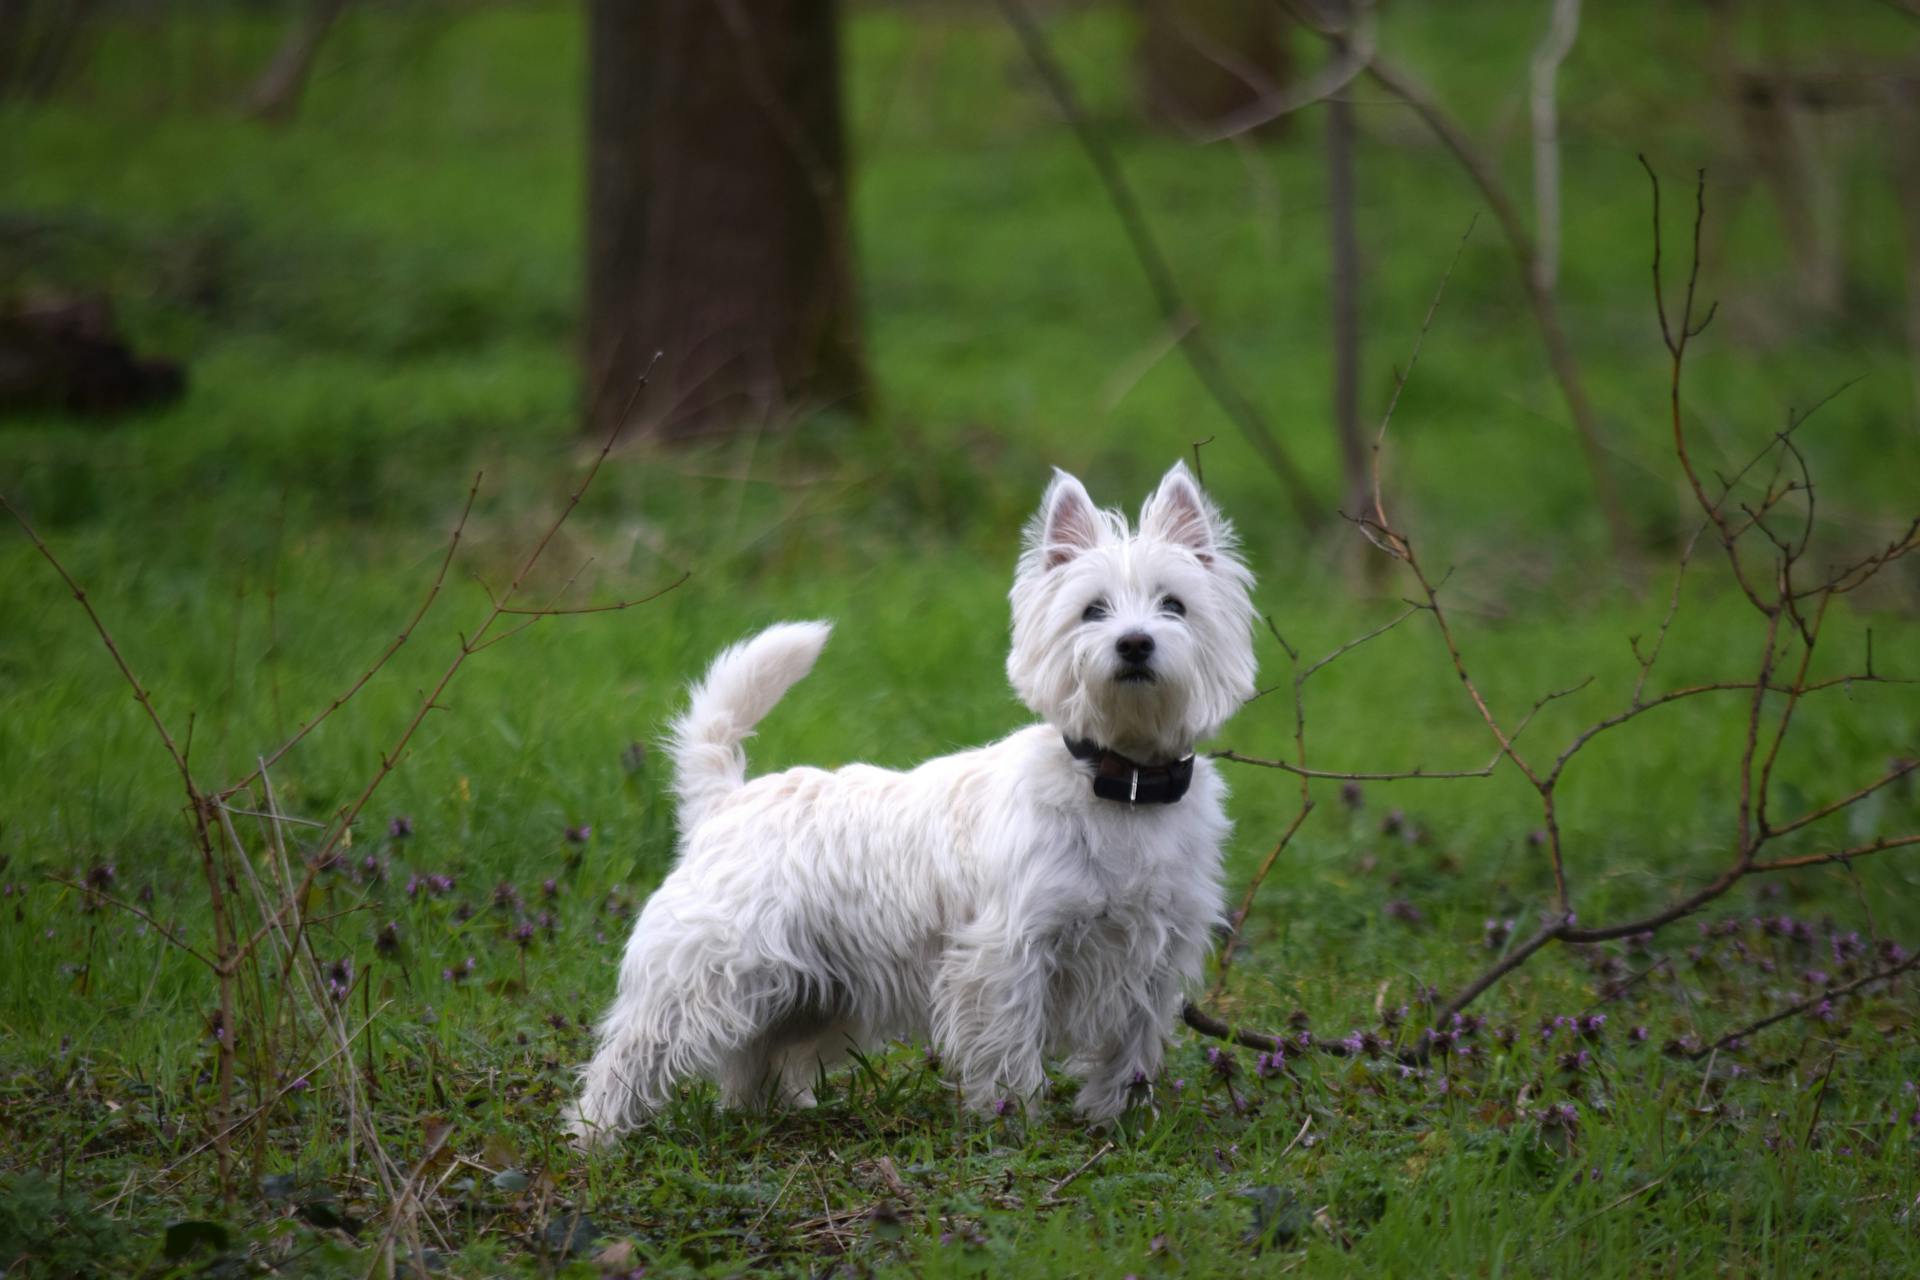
1497 933
523 934
580 834
339 978
1576 1062
1638 1035
1822 1012
1351 795
550 888
1001 1106
1268 1065
387 941
1403 911
1592 1025
400 826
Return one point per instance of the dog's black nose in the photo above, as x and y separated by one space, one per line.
1135 647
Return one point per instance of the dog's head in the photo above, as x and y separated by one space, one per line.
1140 640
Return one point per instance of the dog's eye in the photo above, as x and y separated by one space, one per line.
1094 612
1173 606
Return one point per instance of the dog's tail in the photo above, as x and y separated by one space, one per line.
743 685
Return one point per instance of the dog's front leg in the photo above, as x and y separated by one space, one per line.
1130 1057
990 1016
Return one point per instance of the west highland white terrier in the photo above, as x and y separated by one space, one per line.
1050 895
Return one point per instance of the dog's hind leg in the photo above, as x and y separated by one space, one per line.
802 1060
657 1037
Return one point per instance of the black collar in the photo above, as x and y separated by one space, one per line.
1117 778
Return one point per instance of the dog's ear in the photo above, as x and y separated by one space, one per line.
1067 524
1180 514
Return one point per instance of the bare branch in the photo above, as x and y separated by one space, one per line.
1173 308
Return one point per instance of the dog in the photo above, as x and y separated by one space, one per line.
1051 895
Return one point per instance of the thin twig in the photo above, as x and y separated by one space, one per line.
1172 306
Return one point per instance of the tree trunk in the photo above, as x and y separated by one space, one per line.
717 224
1205 60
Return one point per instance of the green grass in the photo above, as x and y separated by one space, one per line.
382 301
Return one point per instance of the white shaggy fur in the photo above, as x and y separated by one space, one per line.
987 901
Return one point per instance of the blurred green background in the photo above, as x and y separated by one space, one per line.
383 297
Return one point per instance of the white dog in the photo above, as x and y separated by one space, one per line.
1050 894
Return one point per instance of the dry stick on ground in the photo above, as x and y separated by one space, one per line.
1788 619
1173 308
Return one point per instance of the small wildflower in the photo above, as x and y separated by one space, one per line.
339 978
1002 1106
1351 795
1822 1012
300 1085
1268 1065
580 834
1576 1062
387 941
1403 911
523 934
400 827
506 897
1592 1025
1638 1035
1497 933
1394 823
550 888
